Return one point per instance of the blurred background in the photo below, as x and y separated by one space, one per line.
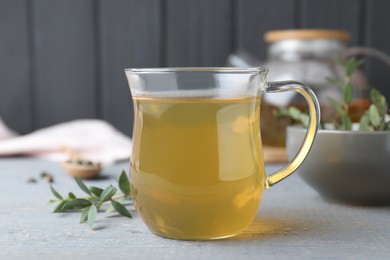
64 59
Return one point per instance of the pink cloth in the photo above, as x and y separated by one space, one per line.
92 139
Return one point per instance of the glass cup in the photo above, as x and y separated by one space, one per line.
196 168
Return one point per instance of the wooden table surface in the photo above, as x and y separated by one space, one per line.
293 222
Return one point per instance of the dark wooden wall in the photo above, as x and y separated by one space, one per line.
64 59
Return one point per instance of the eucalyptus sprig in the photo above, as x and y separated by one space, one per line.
91 204
376 118
343 120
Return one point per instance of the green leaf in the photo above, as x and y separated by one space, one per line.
348 93
349 66
120 209
124 183
111 208
76 204
59 207
108 193
335 82
52 201
96 191
347 123
304 119
352 65
360 62
374 116
92 212
376 97
336 105
84 215
364 124
71 195
379 101
55 193
82 185
385 126
280 112
294 112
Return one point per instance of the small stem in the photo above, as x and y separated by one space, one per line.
346 108
101 202
110 199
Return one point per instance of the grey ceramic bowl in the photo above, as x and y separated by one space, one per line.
346 166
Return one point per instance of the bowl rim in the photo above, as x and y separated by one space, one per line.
333 131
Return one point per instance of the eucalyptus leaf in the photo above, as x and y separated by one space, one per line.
349 67
108 193
59 207
385 126
55 193
366 128
379 101
71 195
364 124
96 191
294 112
346 122
352 65
304 119
124 183
84 215
92 212
280 112
374 116
360 63
76 204
120 209
82 185
336 105
376 97
111 208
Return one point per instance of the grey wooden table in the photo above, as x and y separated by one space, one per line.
293 222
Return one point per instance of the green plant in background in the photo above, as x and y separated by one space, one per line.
376 118
343 120
91 204
296 115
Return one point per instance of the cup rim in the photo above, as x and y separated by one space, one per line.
226 70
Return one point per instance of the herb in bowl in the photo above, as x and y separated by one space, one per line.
373 115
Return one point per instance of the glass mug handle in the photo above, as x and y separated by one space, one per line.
314 120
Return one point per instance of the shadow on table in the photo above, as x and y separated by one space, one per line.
277 224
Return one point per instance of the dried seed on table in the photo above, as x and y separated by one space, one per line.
49 179
44 174
31 180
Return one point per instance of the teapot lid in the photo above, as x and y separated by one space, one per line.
278 35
